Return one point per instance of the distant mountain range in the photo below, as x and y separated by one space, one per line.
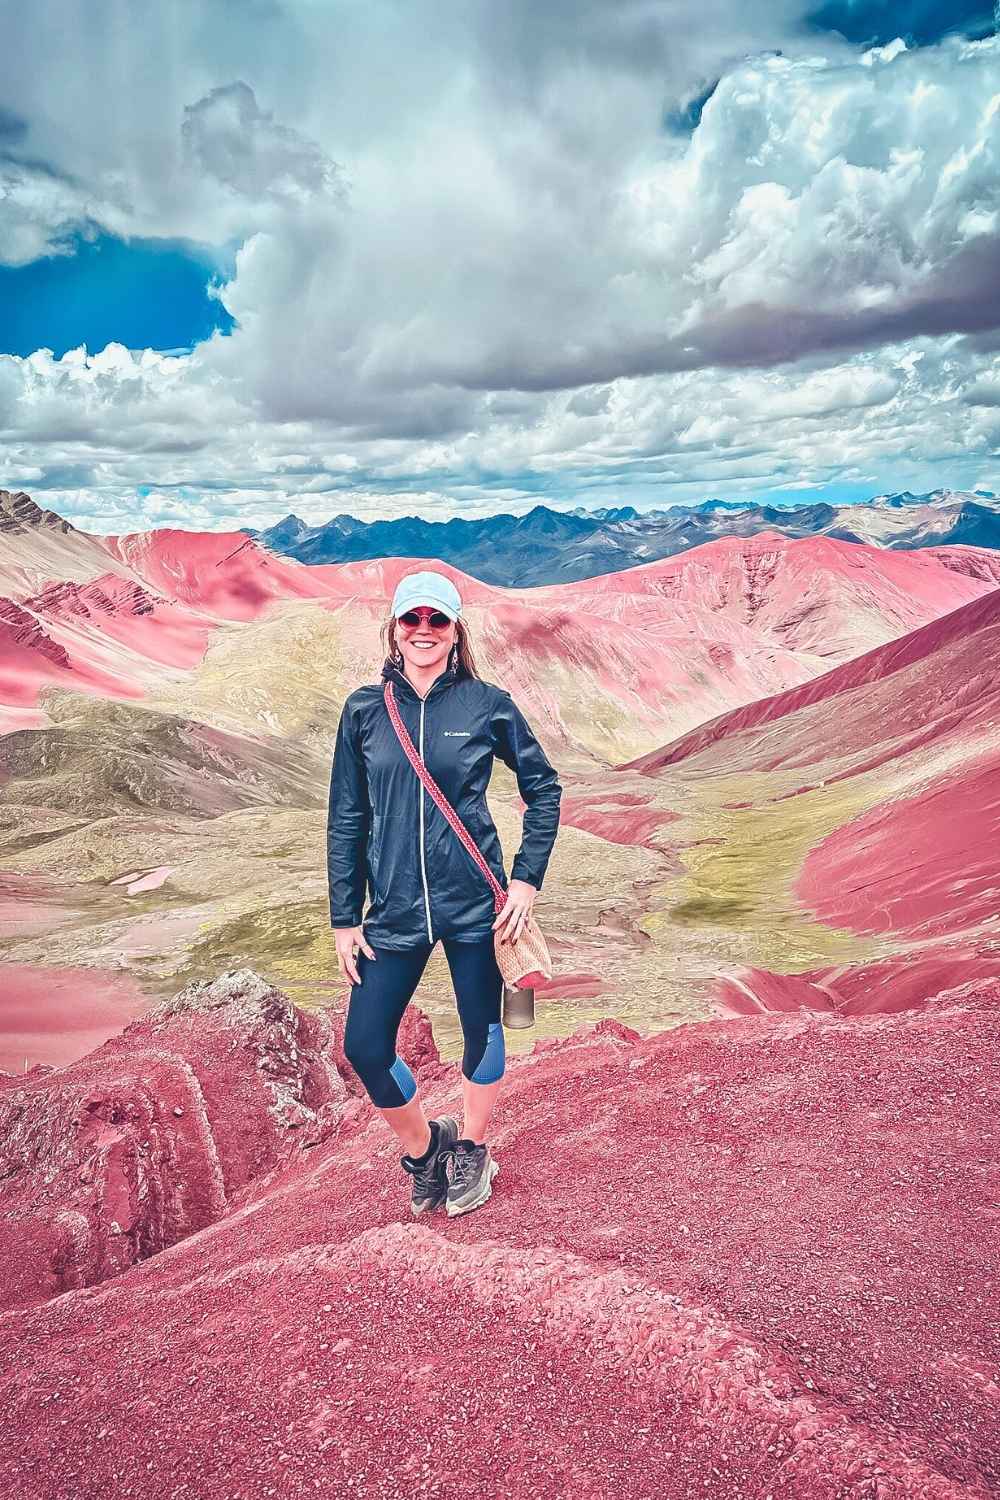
548 546
662 647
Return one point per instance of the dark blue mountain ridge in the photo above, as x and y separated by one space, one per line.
560 546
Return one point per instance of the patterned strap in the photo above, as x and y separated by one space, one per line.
499 894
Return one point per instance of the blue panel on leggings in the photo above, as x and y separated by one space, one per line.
404 1078
493 1060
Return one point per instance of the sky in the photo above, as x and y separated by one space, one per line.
455 257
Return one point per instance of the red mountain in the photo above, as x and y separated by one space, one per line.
913 731
662 647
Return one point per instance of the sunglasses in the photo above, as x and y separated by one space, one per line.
434 617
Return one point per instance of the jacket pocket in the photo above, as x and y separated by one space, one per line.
373 852
477 820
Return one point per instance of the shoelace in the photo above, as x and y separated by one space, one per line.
464 1164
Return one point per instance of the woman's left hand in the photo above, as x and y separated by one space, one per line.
520 900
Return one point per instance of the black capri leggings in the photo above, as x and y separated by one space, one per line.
377 1004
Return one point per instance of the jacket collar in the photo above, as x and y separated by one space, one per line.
395 675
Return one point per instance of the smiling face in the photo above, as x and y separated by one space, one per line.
425 645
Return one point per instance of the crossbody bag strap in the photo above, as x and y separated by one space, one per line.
499 894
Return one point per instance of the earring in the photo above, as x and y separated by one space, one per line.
397 657
453 659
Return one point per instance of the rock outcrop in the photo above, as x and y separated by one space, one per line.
120 1155
19 513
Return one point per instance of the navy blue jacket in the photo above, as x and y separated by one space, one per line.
384 830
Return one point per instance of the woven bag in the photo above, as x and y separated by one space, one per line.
523 961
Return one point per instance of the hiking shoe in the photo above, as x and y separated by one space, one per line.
430 1185
470 1170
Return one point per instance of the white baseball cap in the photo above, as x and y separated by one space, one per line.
426 588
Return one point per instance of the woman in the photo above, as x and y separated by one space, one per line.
385 831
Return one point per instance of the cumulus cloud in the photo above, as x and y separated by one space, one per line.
819 205
229 137
533 279
39 213
168 431
982 393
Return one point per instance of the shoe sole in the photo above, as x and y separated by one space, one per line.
486 1189
416 1209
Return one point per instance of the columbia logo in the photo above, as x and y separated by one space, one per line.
456 731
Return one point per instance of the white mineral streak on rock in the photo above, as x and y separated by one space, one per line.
143 1142
201 1121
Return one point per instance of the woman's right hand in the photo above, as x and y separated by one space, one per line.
346 940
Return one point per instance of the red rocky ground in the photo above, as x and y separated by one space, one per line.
741 1258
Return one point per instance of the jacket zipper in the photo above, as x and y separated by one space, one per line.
423 866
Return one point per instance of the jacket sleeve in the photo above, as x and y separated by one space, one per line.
347 824
517 747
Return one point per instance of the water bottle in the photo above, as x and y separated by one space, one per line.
518 1008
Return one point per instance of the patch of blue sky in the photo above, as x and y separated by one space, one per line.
684 119
523 495
145 294
874 23
595 492
628 486
527 482
13 128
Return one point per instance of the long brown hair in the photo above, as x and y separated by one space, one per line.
466 661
